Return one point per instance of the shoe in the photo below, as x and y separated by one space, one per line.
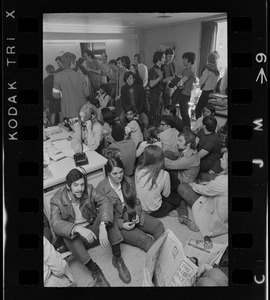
182 209
100 280
190 224
123 271
173 213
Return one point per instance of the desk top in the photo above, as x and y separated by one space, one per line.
61 168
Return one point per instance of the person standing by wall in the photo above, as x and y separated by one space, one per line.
70 86
105 68
186 82
156 86
93 69
54 104
208 82
168 69
142 69
121 64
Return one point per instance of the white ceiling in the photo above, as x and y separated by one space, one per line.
113 22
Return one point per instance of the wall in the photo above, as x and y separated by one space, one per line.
186 36
114 48
52 49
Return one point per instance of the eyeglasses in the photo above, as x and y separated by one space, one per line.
162 124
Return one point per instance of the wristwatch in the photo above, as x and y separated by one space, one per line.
103 223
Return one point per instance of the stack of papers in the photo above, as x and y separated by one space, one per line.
56 133
60 149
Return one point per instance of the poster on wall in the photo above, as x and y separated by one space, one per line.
164 46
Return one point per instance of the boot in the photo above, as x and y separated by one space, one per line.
123 271
190 224
182 209
100 280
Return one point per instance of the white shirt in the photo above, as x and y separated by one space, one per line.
151 200
79 219
135 132
118 191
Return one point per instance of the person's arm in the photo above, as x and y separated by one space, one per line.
213 188
94 135
167 185
53 260
85 86
204 77
76 142
56 92
144 75
203 153
59 226
181 163
140 150
155 78
104 204
96 71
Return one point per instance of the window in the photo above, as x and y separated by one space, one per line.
221 44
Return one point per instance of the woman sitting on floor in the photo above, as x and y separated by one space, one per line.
150 138
137 228
87 130
153 184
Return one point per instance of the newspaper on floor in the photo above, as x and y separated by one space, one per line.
167 264
197 248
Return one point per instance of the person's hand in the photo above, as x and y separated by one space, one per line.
146 278
77 148
86 233
208 244
88 125
170 155
203 268
117 98
103 236
128 225
180 84
136 220
160 74
168 79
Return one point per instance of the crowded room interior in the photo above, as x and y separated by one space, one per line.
135 143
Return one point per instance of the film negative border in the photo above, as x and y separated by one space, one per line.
22 86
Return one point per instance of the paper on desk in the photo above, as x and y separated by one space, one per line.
166 260
64 147
196 247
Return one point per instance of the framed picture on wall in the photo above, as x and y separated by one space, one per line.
164 46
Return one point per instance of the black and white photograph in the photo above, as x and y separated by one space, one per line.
135 149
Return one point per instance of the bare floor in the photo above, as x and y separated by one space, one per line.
134 257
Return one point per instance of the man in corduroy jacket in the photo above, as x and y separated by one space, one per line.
84 218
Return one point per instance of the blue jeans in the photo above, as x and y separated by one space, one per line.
139 235
79 245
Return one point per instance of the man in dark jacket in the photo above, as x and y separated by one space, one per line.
84 218
133 94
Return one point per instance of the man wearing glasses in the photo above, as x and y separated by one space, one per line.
168 134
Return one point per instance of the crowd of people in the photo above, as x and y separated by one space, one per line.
158 164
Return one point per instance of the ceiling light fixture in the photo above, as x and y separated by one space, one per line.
164 16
